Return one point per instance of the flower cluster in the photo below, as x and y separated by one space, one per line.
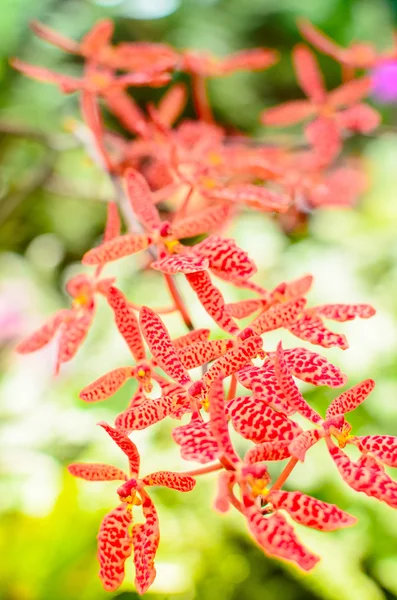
174 183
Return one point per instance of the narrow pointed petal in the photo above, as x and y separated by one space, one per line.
105 386
233 360
97 472
257 421
290 290
145 540
311 329
55 38
73 335
67 84
124 107
350 399
311 512
288 113
204 221
212 300
359 118
324 135
218 422
113 224
172 104
97 38
126 322
181 263
290 389
277 538
370 481
383 447
244 308
91 114
202 352
225 483
223 254
308 73
313 368
180 483
160 344
123 245
254 196
263 383
319 40
114 546
278 316
345 312
196 441
267 451
198 335
125 444
351 92
141 201
303 442
42 336
147 413
253 59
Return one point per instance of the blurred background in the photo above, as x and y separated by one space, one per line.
52 208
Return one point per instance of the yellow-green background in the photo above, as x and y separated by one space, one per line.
52 210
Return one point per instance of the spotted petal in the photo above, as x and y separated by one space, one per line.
145 540
175 481
114 546
350 399
97 472
140 198
126 322
181 263
125 444
105 386
383 447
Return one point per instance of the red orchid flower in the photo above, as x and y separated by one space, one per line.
333 112
116 539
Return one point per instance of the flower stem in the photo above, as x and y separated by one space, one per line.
208 469
284 474
176 296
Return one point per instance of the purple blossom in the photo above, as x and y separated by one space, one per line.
384 79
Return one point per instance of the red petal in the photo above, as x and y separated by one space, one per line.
197 335
181 263
324 135
350 399
141 200
212 300
319 40
308 73
67 84
313 368
73 335
383 447
267 451
255 196
202 352
311 329
218 422
126 322
290 290
55 38
290 390
224 255
145 540
114 546
202 221
160 344
105 386
97 38
42 336
125 444
311 512
370 481
97 472
257 421
278 316
351 92
345 312
196 441
244 308
287 113
172 103
254 59
124 107
180 483
277 538
113 224
148 412
303 442
123 245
